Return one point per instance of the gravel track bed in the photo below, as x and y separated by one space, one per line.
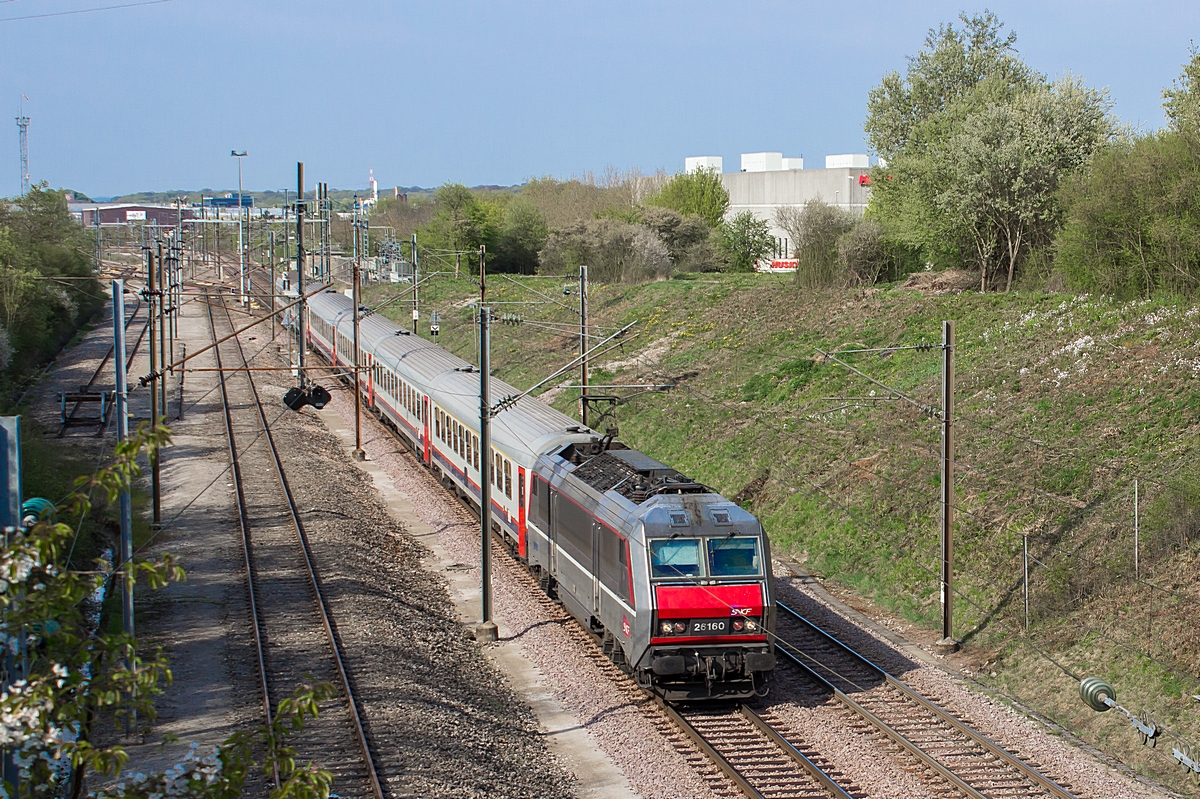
441 721
1071 767
656 760
295 645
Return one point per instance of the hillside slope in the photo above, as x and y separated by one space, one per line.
1063 403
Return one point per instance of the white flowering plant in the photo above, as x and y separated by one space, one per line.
64 673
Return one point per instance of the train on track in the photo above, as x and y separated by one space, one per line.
674 579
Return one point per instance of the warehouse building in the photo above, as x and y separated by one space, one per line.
768 181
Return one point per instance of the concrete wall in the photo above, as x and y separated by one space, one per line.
762 192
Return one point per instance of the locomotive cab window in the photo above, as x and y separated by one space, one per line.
734 556
675 557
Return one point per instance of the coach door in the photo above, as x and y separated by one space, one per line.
426 452
551 528
597 531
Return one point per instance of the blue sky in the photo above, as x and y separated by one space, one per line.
154 97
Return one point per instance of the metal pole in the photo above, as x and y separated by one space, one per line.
583 345
271 260
416 278
359 455
163 297
1137 572
152 314
1025 573
486 629
302 326
947 643
182 372
122 392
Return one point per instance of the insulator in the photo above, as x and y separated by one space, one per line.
1094 690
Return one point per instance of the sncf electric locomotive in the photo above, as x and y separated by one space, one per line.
675 578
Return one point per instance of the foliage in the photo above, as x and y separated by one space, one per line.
745 239
46 290
614 252
75 673
521 236
976 145
461 221
223 773
864 254
815 230
1133 221
565 202
1182 102
700 193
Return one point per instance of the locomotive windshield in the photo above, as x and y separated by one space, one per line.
675 557
733 556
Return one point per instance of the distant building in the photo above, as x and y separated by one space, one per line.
769 181
229 201
695 163
96 214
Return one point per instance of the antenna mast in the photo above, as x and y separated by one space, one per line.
23 126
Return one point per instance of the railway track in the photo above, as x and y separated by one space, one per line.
735 750
132 353
294 636
967 762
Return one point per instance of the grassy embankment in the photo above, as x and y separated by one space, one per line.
1062 402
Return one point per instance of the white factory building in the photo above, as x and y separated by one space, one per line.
767 181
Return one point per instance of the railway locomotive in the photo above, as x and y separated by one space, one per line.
673 578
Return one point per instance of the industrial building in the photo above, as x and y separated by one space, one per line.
768 181
96 214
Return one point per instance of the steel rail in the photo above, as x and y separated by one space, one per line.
991 747
694 735
709 751
243 525
896 736
795 754
314 582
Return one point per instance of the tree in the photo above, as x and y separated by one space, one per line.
1004 166
688 238
461 222
745 239
815 230
39 239
1133 219
864 254
522 234
1182 101
976 145
614 251
700 193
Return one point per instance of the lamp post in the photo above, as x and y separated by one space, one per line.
241 246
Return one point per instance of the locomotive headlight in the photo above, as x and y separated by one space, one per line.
680 627
738 624
751 625
666 628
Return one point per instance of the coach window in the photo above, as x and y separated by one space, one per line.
496 469
508 478
475 441
470 450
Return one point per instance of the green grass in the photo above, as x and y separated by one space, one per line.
1061 401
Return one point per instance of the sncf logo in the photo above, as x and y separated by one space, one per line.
740 611
625 625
